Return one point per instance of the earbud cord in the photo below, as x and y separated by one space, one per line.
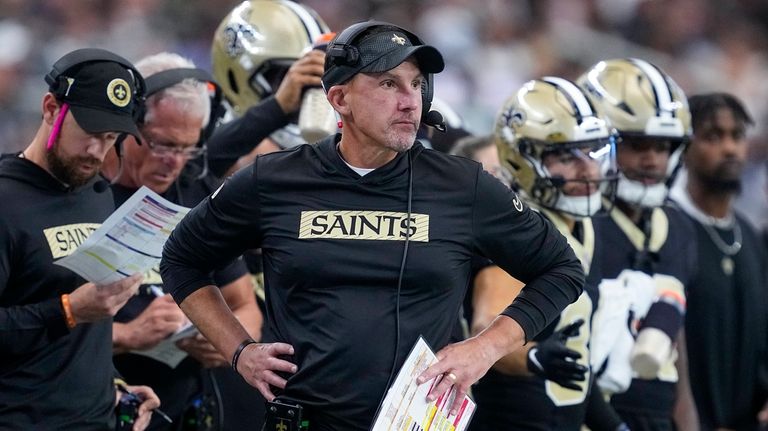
402 270
57 126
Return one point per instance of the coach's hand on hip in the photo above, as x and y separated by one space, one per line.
258 363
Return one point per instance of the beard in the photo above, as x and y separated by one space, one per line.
400 146
725 178
65 169
400 142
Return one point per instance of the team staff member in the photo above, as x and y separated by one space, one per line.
560 155
55 330
177 113
725 355
652 251
367 233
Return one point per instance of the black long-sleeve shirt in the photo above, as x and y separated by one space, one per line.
333 242
238 137
50 377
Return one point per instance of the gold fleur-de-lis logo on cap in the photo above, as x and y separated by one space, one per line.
118 92
398 39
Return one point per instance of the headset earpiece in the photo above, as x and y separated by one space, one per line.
341 51
59 86
343 56
119 144
427 92
218 110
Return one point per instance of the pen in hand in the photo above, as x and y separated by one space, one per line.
133 397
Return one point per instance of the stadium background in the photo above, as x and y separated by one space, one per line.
491 47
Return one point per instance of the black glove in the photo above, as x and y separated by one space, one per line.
551 360
600 414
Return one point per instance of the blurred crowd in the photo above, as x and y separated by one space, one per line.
491 47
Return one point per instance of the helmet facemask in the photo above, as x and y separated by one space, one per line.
267 78
572 177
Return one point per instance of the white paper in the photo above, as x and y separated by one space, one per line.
129 241
405 407
166 351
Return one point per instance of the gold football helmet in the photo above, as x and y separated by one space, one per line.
643 104
638 98
552 116
256 43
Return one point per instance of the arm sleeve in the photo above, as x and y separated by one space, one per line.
237 138
530 248
213 234
25 328
233 271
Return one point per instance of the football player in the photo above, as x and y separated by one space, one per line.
263 59
561 157
650 244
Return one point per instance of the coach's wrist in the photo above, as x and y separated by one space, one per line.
236 356
503 336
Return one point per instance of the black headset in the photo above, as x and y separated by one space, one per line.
57 79
345 58
169 78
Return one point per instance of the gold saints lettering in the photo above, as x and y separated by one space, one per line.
369 225
63 240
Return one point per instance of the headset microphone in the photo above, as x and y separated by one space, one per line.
435 119
100 186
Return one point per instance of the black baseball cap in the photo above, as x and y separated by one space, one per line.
383 49
101 96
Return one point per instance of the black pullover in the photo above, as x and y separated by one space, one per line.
50 377
333 243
